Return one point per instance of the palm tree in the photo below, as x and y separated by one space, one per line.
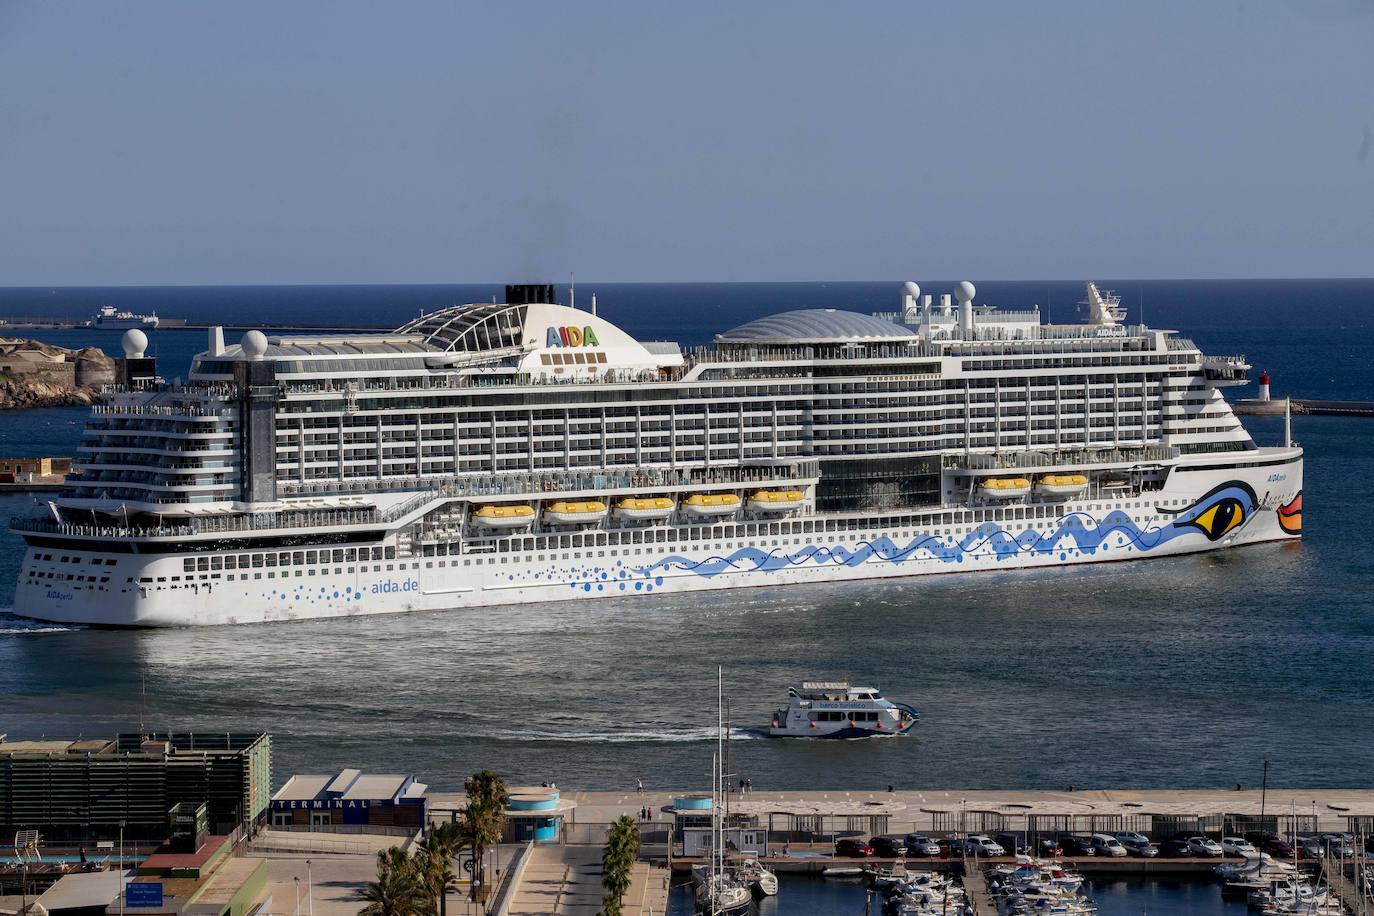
618 862
431 864
484 818
397 891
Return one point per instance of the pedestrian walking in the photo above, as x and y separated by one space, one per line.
639 786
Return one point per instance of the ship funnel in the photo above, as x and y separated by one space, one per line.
530 293
216 341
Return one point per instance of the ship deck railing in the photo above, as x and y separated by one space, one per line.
531 486
1008 461
520 484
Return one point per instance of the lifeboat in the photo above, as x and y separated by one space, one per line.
565 512
516 516
1061 484
709 504
776 500
1005 488
1114 483
644 509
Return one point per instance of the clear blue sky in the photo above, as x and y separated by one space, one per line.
342 142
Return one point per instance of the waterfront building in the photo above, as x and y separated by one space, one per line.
350 799
80 792
525 451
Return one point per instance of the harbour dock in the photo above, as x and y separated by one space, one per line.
1316 408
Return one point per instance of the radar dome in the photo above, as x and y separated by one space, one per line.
134 343
965 291
254 344
912 289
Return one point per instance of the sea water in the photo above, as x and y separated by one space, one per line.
1172 672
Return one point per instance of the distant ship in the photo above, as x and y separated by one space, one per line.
109 318
502 453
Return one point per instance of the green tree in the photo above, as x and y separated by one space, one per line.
484 819
433 867
398 890
618 862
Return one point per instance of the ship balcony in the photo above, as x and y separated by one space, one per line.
1226 371
983 464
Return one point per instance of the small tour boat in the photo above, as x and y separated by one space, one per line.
566 512
1061 484
710 504
834 709
638 508
776 500
1004 488
510 516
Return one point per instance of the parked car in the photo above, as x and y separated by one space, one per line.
1338 844
1076 845
853 848
1104 844
1137 845
1309 847
1235 846
950 847
920 845
1204 846
887 847
1013 843
983 846
1278 847
1176 848
1048 846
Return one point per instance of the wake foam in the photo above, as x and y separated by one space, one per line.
680 736
11 625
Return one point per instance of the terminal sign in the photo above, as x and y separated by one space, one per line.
571 337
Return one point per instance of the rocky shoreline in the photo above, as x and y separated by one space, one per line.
35 374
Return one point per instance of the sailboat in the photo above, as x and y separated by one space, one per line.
718 891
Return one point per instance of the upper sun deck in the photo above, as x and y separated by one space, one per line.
540 344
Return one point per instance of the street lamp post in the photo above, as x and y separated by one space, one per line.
309 889
297 880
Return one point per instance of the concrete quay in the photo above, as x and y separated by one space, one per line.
945 811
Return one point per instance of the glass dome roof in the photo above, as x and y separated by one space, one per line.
816 326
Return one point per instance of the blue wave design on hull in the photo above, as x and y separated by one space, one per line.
1078 531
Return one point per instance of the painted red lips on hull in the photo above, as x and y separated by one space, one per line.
1290 516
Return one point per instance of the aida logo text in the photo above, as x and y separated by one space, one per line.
571 337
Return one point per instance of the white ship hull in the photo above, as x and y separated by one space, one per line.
1155 524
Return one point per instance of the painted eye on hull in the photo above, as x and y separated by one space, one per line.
1220 518
1218 512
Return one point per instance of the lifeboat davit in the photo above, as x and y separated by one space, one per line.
565 512
638 508
710 504
1005 488
776 500
516 516
1061 484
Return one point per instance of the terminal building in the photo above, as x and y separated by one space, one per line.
79 792
350 799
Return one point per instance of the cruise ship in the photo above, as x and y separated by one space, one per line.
526 451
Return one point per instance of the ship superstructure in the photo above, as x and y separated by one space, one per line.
527 451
